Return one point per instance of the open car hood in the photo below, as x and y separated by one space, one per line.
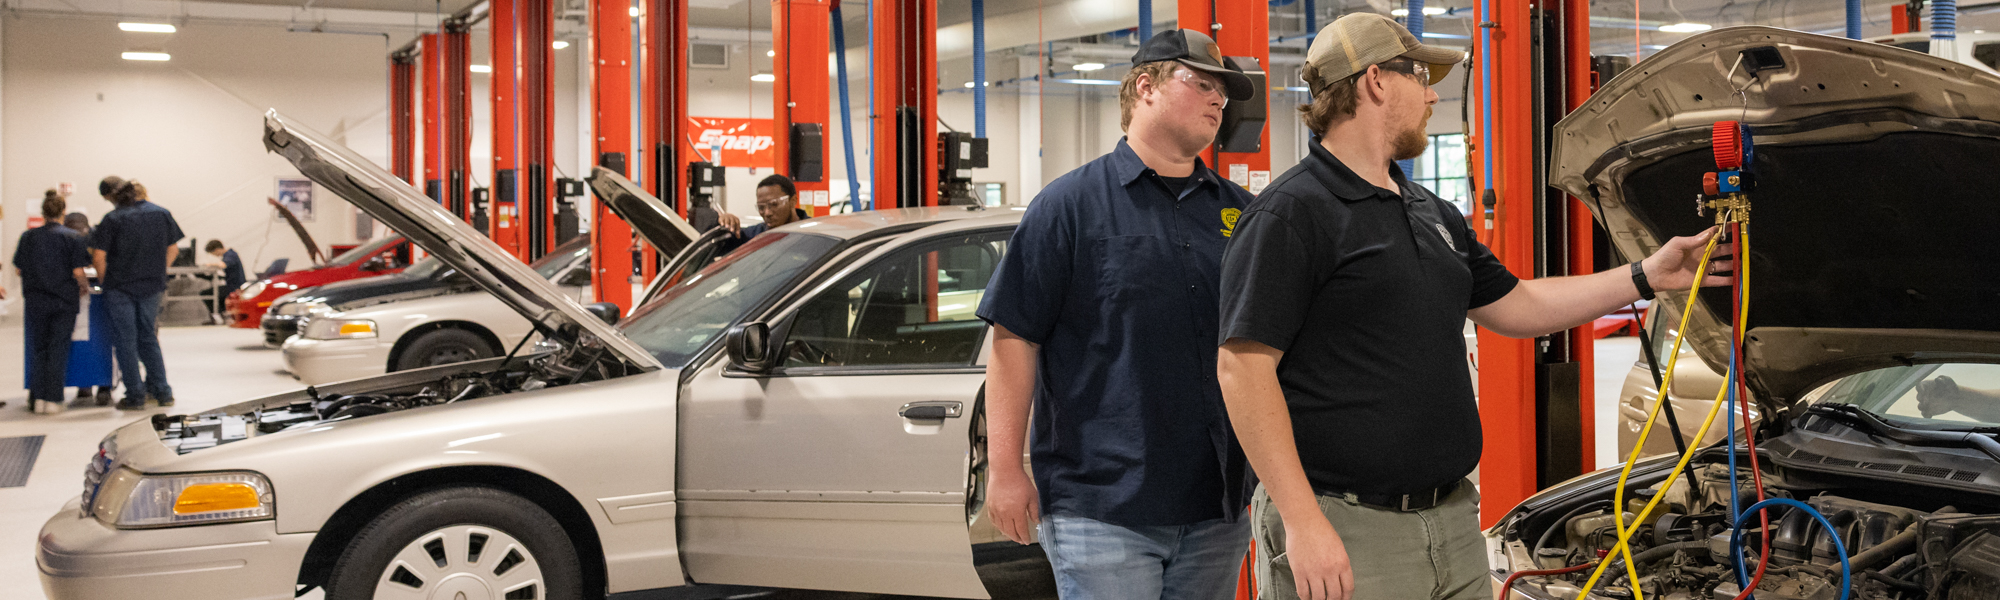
652 218
1872 219
444 235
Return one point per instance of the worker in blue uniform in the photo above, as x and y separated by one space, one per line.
50 260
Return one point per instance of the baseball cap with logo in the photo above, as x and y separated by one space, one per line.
1198 52
1352 43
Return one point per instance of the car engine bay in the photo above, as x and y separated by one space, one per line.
552 366
1902 541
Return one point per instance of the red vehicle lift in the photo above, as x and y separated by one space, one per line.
905 81
536 101
402 113
433 111
503 210
1240 29
611 120
664 114
799 97
455 115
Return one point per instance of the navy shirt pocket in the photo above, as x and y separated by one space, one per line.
1136 270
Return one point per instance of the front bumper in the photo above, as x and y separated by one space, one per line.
316 362
278 328
81 558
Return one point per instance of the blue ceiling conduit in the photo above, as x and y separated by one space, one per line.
1944 19
1415 20
1486 136
979 66
846 113
1854 19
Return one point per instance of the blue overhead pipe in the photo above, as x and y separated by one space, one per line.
1415 20
1944 19
1853 19
979 66
846 114
1312 21
1145 19
1486 92
868 9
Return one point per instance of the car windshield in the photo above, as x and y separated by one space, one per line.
553 263
364 251
425 268
1949 395
686 317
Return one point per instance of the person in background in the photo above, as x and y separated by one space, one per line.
50 260
80 223
232 272
777 203
131 249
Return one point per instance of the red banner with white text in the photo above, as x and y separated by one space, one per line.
733 141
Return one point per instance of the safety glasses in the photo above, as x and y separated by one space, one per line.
1205 85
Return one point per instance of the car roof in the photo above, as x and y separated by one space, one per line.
853 225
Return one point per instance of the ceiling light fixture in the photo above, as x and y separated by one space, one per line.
147 27
1088 67
634 11
559 44
1686 27
480 68
1429 11
764 77
770 53
149 56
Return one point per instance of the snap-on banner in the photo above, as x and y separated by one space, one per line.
733 141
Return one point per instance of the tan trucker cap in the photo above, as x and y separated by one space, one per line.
1351 43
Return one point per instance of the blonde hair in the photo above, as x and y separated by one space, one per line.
1128 90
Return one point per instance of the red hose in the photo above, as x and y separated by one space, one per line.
1743 396
1508 587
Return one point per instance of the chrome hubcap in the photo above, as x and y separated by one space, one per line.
462 562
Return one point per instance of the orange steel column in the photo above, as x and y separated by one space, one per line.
1508 468
403 114
503 211
611 121
1240 29
433 117
455 117
799 92
536 101
664 120
905 81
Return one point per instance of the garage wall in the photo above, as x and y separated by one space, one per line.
189 129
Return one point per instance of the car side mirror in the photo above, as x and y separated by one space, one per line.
749 347
605 311
575 278
375 264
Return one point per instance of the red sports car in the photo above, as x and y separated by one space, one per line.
389 254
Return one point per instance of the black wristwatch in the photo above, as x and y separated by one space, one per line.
1639 281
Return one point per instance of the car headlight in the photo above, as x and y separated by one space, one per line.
253 289
130 500
323 328
294 309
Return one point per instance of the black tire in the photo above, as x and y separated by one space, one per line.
443 347
368 559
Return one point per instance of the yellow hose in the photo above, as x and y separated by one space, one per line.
1624 546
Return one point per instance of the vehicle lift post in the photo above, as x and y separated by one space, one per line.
536 100
1535 396
503 212
433 112
611 261
905 121
664 113
403 113
455 114
799 97
1239 29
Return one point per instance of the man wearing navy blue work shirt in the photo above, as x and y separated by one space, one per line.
132 247
777 203
50 260
1103 313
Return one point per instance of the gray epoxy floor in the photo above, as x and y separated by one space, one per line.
215 366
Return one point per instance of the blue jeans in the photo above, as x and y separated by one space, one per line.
1095 560
135 335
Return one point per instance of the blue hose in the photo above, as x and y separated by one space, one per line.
1944 19
1839 547
1486 92
1415 21
979 68
868 10
1312 21
846 114
1742 577
1853 19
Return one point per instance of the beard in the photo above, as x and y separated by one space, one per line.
1412 142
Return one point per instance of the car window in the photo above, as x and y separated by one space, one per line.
553 263
913 307
682 321
364 251
1987 54
1937 394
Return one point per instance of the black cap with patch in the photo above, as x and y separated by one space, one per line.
1198 52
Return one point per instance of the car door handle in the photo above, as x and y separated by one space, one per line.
937 409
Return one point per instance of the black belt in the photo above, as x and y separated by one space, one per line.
1405 502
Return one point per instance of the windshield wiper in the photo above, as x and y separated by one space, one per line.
1859 418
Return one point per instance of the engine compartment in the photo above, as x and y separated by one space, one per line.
1903 542
551 366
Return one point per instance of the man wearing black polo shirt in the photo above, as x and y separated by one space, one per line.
1103 313
1342 361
